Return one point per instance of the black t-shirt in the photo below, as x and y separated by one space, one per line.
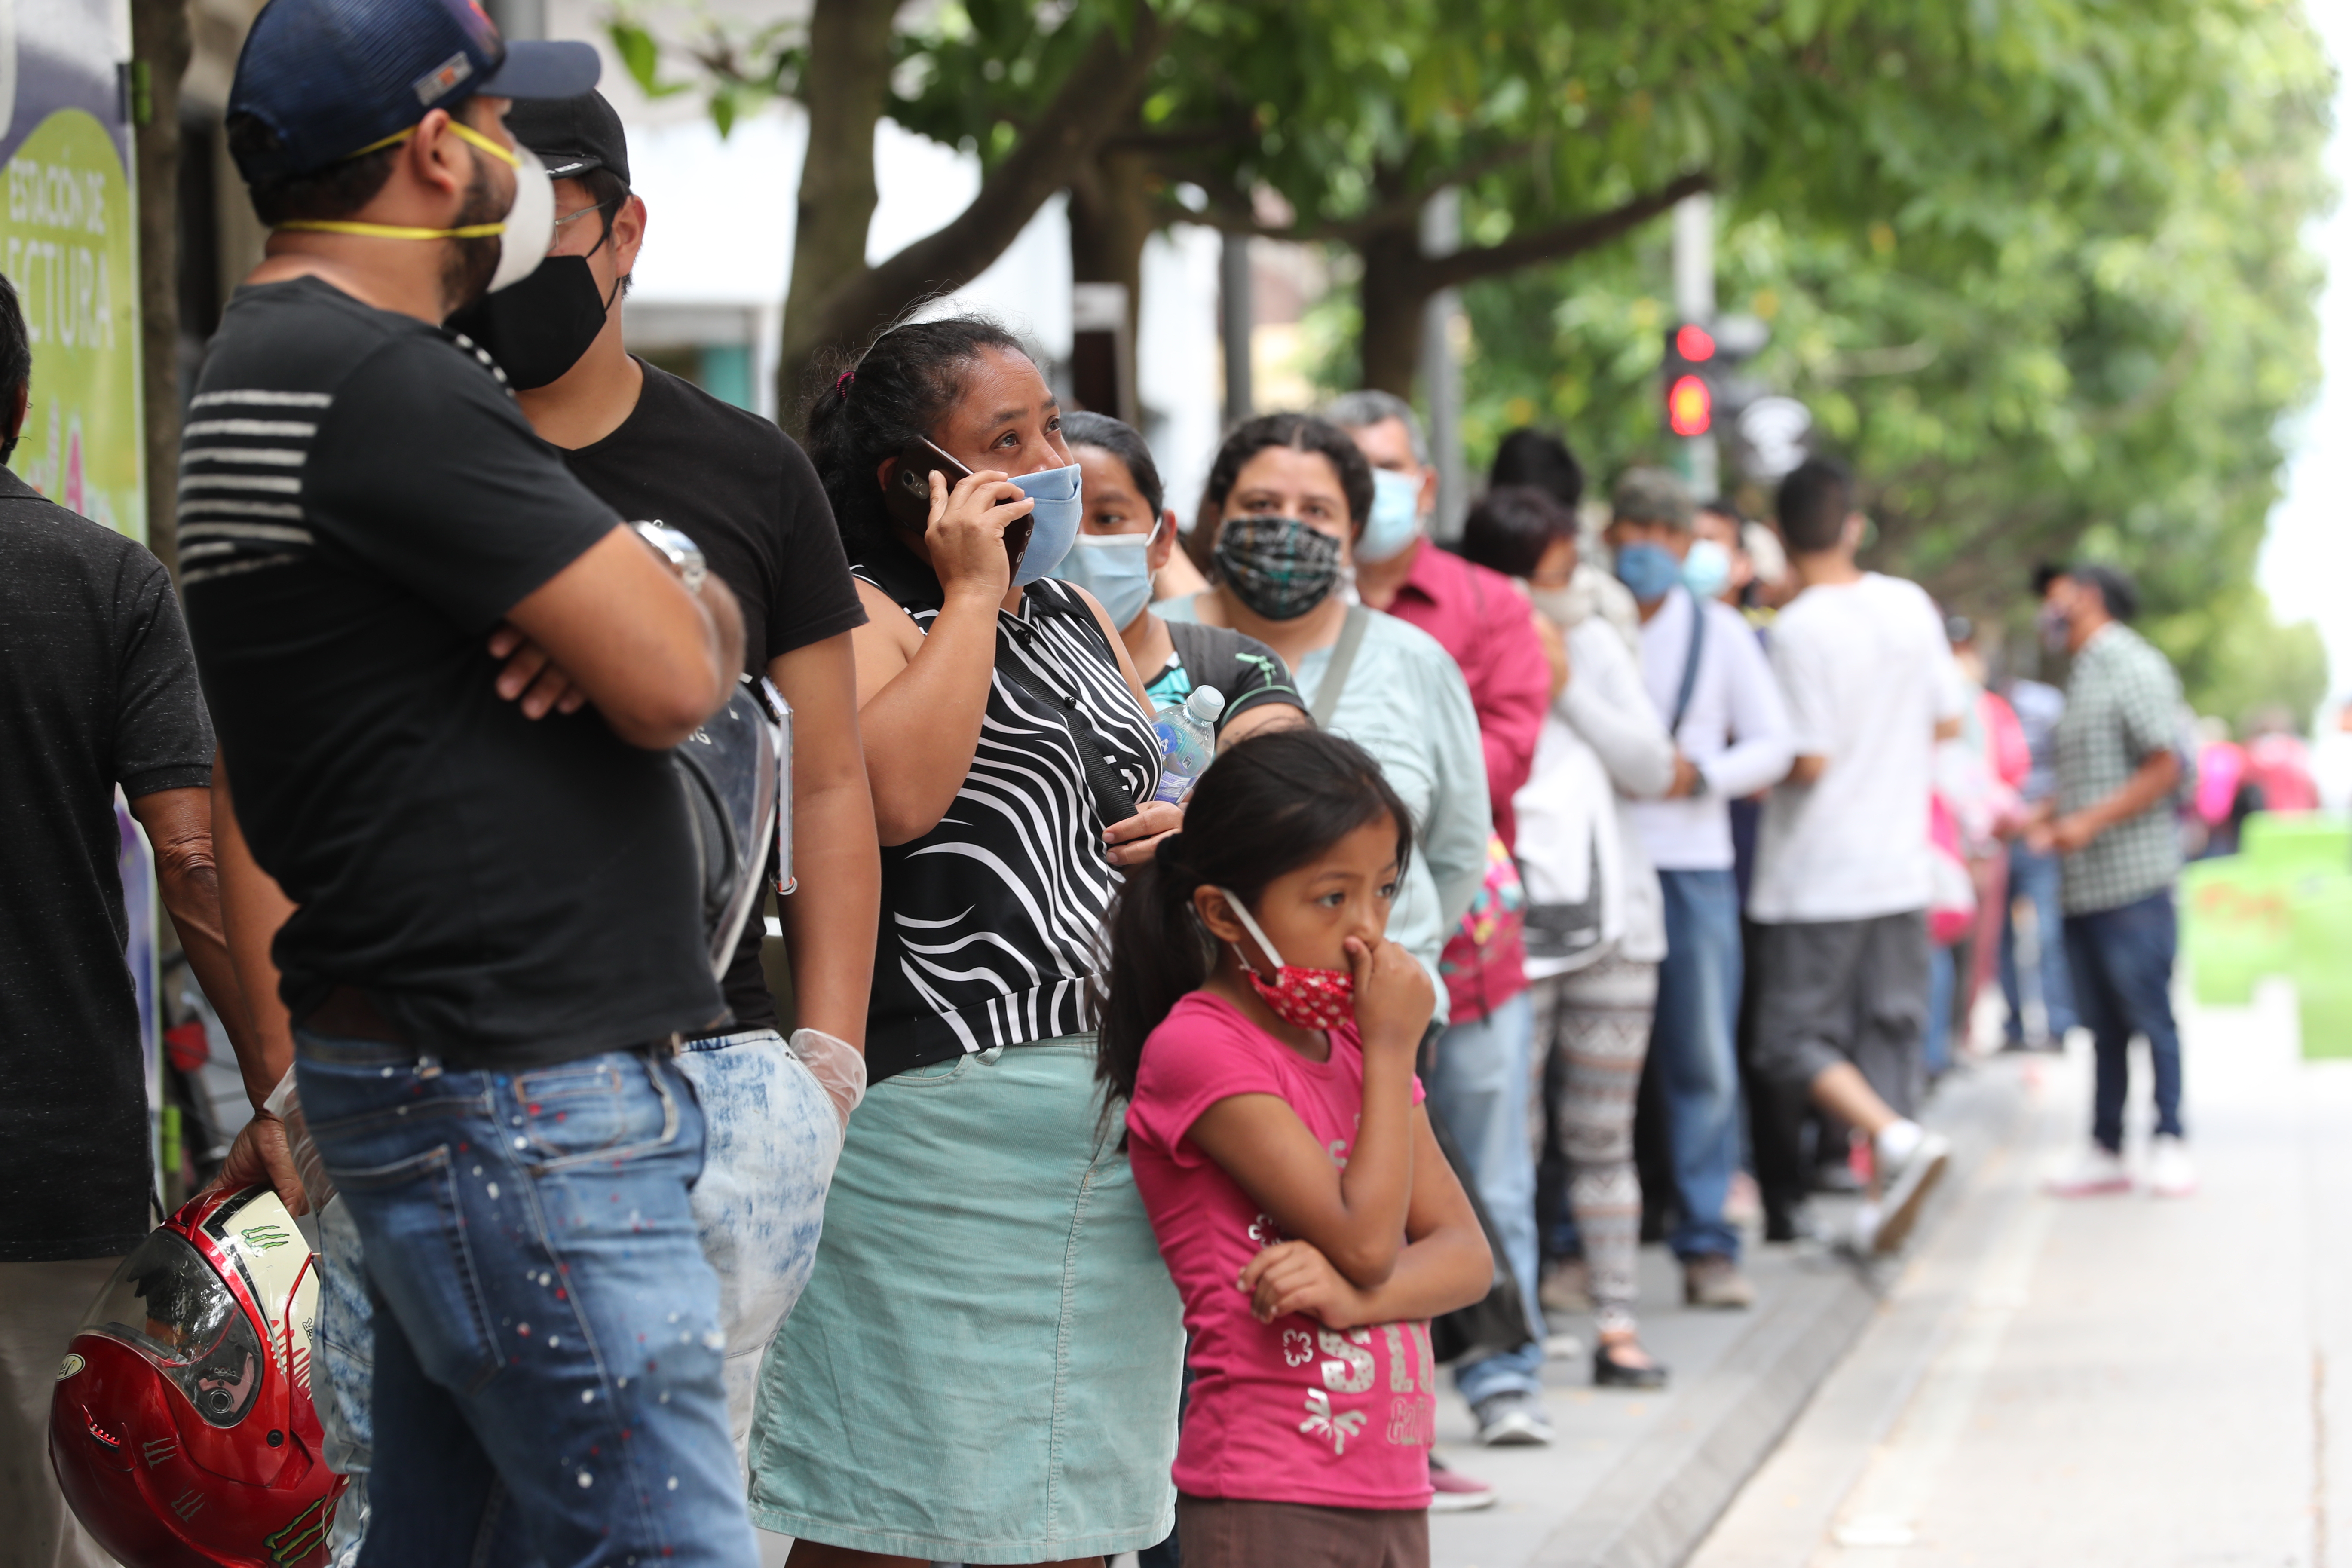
360 503
97 688
747 494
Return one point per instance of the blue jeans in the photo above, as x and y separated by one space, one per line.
2034 878
547 1343
1935 1047
1480 1085
2122 960
1692 1051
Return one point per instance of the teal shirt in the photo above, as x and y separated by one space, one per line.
1406 703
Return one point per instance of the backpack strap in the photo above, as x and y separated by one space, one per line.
1690 667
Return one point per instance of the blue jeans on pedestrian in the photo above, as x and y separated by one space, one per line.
1692 1051
2122 960
2034 878
1480 1086
1935 1047
547 1341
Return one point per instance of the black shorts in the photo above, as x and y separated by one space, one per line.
1832 992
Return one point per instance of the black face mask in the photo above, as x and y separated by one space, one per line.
538 329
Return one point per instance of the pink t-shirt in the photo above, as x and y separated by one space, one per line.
1288 1411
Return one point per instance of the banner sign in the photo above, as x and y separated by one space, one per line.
69 241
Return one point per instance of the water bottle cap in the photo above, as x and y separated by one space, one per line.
1206 703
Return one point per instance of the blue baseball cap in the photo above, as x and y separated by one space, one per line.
319 80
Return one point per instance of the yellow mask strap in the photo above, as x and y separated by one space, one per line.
395 231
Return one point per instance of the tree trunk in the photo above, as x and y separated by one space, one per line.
1393 290
845 89
159 46
1111 219
1098 97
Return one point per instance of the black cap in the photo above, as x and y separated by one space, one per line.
573 135
319 80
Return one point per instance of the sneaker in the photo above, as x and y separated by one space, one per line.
1713 1279
1512 1420
1566 1287
1451 1491
2170 1172
2097 1171
1908 1177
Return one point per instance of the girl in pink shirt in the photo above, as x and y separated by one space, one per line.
1263 1034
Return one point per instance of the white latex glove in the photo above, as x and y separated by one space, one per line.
838 1067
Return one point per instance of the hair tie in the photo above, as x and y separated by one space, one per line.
1167 851
841 384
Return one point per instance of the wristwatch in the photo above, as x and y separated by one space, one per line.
1699 786
672 545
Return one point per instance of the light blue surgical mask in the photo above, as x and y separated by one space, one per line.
1395 520
1706 568
1053 523
1648 571
1116 568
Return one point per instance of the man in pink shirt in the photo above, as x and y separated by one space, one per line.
1479 1080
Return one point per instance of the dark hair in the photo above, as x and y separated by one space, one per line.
1510 529
2044 573
611 194
15 341
1815 501
1722 506
1531 457
1122 441
2117 590
863 412
314 195
1266 807
1300 433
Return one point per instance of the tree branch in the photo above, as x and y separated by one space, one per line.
1095 100
1560 240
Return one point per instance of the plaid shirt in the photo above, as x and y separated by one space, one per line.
2123 705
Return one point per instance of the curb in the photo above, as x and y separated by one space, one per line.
1657 1505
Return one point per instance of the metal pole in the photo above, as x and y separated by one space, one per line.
1440 369
1234 319
520 18
1694 301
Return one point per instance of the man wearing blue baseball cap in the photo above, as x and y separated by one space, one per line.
445 676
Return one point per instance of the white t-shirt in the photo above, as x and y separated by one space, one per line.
1868 674
1736 731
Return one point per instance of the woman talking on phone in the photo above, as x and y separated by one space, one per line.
984 1367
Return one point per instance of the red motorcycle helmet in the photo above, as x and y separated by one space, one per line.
181 1429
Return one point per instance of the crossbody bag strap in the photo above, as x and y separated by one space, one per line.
1690 667
1343 658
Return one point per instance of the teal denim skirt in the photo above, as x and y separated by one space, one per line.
985 1366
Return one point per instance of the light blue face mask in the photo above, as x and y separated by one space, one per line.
1395 520
1706 568
1648 571
1116 568
1052 524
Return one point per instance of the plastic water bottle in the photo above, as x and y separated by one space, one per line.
1188 741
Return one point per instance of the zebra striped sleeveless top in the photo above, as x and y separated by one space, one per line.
992 921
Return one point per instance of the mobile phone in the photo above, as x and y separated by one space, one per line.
907 498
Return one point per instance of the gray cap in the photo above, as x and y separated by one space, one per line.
1652 495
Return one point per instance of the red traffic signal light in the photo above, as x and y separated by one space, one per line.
1690 406
1694 343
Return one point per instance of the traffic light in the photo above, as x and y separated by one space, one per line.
1698 371
1690 401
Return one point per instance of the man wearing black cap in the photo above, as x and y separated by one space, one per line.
653 445
496 940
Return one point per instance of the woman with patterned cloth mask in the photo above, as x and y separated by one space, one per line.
1287 498
987 1275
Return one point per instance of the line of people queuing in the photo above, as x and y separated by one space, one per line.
1094 1104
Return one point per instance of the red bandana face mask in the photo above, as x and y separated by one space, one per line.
1303 998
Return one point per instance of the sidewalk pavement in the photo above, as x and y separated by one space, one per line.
2117 1379
1634 1480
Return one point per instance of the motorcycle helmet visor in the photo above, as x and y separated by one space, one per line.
168 1304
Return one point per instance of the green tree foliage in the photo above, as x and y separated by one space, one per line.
2084 346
